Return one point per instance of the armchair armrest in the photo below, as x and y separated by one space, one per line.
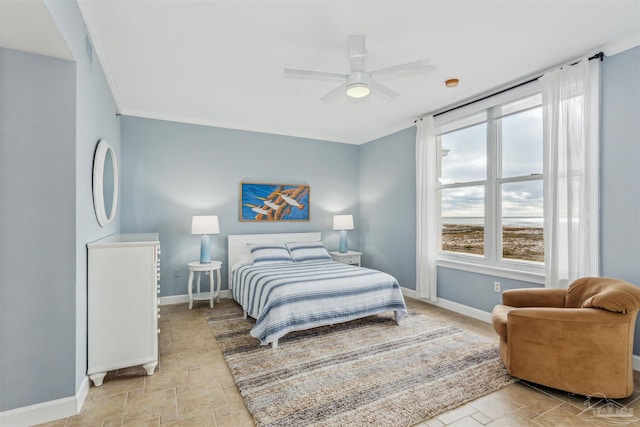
534 297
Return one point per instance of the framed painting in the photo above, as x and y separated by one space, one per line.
274 202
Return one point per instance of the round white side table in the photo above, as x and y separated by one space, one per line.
214 285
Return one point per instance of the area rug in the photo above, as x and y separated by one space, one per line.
365 372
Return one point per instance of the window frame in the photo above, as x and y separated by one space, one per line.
492 262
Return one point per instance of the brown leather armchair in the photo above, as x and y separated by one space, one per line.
578 339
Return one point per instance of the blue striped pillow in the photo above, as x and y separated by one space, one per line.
271 253
308 251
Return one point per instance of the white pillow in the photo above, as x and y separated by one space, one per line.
243 260
270 253
308 252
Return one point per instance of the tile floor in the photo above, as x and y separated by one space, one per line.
192 386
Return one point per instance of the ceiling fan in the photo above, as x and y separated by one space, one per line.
359 82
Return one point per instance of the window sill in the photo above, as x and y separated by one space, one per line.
491 270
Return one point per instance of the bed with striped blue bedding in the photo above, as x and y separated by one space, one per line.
302 295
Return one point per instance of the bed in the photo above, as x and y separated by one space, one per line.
304 292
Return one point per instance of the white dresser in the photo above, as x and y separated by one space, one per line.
123 311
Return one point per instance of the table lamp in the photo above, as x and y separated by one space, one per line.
343 223
205 225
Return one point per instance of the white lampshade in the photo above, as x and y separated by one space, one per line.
205 224
343 222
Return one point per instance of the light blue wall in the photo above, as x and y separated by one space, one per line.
37 228
172 171
53 114
392 156
95 119
620 166
620 170
475 289
388 205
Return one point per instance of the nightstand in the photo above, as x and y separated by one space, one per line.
349 257
214 285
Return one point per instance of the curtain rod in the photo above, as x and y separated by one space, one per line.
599 55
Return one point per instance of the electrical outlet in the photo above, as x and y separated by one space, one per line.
496 286
176 273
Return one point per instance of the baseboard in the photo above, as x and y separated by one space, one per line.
181 299
174 299
409 293
452 306
46 411
462 309
636 363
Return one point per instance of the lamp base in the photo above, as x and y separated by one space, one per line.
205 252
343 242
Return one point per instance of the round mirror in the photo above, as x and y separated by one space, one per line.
105 183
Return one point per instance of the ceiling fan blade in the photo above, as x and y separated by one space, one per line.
290 72
382 88
422 65
340 88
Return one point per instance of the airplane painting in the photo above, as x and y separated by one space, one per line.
274 202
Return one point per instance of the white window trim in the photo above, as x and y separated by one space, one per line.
489 264
492 270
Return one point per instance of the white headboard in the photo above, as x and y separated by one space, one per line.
238 243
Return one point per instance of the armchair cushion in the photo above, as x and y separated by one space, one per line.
605 293
615 300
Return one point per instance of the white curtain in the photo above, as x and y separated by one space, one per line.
426 209
571 105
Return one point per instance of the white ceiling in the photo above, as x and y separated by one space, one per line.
221 63
27 25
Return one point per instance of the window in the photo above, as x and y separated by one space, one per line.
490 183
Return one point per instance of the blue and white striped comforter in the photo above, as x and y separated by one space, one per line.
292 297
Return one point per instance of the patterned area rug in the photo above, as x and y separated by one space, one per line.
365 372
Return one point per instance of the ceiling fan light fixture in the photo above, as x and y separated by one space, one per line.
358 90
